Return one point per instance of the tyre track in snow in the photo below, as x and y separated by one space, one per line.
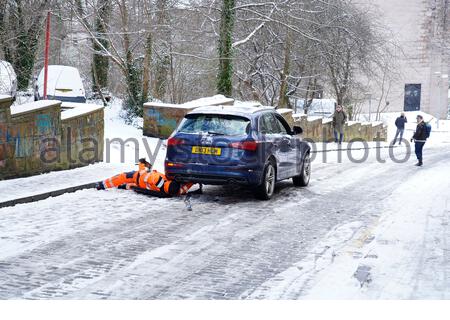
422 265
122 245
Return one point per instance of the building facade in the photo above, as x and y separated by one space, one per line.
420 28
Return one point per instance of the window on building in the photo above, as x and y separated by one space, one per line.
413 93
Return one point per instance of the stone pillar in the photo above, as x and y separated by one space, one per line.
5 118
379 132
314 129
327 131
34 134
287 115
5 104
352 131
366 131
82 137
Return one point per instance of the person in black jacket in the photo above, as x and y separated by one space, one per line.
420 137
400 124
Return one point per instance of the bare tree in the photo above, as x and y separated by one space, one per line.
352 46
100 63
21 23
273 52
224 76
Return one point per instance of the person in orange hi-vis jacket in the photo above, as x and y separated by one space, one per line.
145 179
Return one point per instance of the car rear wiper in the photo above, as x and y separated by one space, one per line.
216 133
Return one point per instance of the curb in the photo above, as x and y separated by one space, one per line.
43 196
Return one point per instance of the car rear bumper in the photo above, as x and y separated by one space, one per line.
215 175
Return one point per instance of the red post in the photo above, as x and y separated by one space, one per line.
47 47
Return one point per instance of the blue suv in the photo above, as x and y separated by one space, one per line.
238 145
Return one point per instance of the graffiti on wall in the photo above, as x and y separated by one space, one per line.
3 133
49 150
21 142
24 147
44 123
161 120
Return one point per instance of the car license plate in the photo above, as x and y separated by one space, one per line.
207 150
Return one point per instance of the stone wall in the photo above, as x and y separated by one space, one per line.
33 138
82 138
5 115
161 119
287 115
321 129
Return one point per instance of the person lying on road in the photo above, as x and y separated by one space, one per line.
147 181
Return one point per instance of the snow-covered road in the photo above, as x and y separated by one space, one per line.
388 221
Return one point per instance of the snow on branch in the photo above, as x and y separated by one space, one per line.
243 41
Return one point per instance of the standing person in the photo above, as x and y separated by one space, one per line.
400 124
339 119
420 137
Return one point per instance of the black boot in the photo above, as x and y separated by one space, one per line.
100 186
419 164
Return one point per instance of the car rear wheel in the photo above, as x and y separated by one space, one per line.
266 189
302 180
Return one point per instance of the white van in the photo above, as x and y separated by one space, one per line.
8 79
64 84
319 107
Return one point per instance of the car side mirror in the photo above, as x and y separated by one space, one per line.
297 130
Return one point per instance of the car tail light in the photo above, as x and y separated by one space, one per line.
174 165
174 142
249 145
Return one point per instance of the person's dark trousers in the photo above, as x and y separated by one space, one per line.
419 148
341 136
399 132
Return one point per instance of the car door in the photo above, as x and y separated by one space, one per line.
288 147
268 132
274 143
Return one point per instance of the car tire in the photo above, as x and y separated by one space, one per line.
302 180
266 189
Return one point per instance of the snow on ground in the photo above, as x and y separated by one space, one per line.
119 245
365 230
136 144
402 254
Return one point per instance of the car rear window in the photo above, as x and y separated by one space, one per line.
215 124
